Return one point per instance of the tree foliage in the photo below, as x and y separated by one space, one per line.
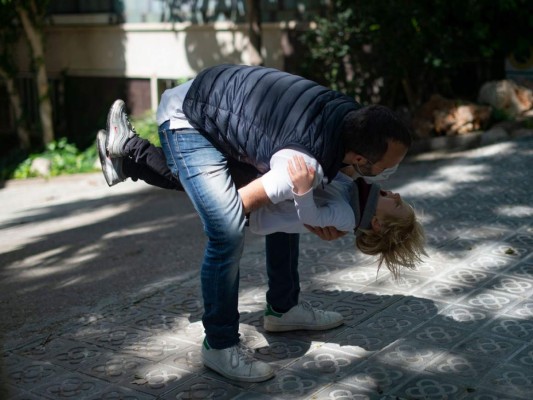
10 30
26 16
9 33
400 51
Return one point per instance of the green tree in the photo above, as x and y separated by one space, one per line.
30 14
9 33
401 51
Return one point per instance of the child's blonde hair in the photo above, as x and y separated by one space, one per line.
399 242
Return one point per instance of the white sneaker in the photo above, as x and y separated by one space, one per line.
301 317
111 167
236 363
119 129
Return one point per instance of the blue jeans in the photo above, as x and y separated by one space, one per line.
203 172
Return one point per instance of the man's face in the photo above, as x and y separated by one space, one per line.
395 153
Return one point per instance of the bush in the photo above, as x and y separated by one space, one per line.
65 158
146 127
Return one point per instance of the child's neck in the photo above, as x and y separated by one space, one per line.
367 197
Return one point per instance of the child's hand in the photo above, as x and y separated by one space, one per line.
301 175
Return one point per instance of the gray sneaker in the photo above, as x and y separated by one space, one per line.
119 130
301 317
236 363
111 167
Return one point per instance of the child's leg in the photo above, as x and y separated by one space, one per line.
144 153
142 160
135 171
146 162
111 167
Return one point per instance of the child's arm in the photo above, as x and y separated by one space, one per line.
335 213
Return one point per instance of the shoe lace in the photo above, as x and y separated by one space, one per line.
130 126
241 353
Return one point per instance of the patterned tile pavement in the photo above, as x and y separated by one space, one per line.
461 327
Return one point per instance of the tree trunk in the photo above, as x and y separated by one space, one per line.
253 16
35 38
14 98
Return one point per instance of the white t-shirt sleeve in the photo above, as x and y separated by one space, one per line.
277 182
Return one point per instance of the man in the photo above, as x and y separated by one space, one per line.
260 117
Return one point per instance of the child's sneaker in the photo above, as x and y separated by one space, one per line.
119 130
301 317
236 363
111 167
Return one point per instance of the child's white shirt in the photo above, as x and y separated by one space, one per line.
328 206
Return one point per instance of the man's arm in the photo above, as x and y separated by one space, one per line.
327 233
275 185
253 196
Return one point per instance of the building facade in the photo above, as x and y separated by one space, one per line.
100 50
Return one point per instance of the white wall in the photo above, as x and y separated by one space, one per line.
150 50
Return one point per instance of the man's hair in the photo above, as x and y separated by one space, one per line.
399 243
368 130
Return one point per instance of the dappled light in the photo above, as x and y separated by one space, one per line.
125 279
101 287
516 211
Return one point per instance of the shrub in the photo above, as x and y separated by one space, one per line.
146 127
65 158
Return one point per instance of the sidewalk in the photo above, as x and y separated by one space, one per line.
95 304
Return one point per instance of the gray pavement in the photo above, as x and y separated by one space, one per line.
100 294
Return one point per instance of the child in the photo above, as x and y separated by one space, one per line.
383 224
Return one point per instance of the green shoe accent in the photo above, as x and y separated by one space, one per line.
206 345
270 311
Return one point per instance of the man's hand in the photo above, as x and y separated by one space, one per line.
301 175
327 233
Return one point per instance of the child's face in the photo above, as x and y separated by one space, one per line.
391 204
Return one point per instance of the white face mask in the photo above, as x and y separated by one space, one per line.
383 175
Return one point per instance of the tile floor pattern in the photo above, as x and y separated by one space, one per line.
461 327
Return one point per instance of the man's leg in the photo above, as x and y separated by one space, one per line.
284 312
204 174
282 251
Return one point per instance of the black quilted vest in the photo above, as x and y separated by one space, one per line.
251 112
